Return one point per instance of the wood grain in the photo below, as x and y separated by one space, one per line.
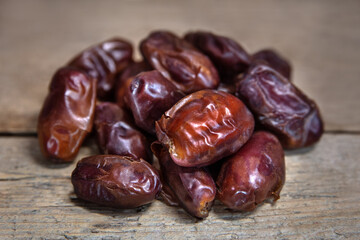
321 38
320 200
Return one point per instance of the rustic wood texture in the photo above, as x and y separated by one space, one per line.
320 200
321 38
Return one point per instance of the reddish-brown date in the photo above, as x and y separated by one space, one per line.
194 188
116 181
177 60
103 61
67 114
227 55
124 80
204 127
255 173
280 107
275 60
117 135
149 96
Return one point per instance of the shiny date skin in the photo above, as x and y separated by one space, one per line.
194 188
177 60
149 96
67 114
117 135
275 61
280 107
204 127
253 174
125 78
115 181
227 55
103 62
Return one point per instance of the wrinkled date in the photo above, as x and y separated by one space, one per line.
67 114
103 61
149 96
204 127
280 107
274 60
255 173
125 78
227 55
177 60
116 134
194 187
115 181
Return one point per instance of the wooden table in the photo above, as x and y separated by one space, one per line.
321 197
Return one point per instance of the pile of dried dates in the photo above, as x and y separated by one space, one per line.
198 119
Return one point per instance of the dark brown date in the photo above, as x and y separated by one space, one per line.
194 188
149 96
204 127
116 133
280 107
255 173
123 81
227 55
177 60
275 60
115 181
103 61
67 114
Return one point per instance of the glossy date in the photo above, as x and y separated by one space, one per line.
149 95
125 78
204 127
117 135
227 55
253 174
115 181
280 107
103 61
177 60
67 114
275 61
194 188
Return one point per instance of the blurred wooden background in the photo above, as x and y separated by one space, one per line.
321 198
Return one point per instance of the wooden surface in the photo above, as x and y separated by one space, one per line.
321 197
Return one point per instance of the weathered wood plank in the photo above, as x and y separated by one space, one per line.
321 38
320 200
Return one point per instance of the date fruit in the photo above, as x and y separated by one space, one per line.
280 107
149 96
194 187
67 114
116 133
253 174
115 181
103 61
177 60
204 127
227 55
275 61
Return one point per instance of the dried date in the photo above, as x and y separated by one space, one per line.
280 107
194 188
149 96
227 55
103 61
253 174
67 114
115 181
124 80
117 135
204 127
177 60
275 61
